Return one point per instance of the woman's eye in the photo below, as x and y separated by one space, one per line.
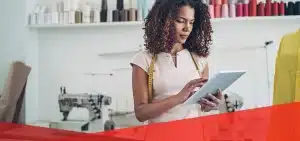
180 21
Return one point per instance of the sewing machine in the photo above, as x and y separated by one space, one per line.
231 103
93 103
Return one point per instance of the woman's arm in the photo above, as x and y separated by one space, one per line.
144 110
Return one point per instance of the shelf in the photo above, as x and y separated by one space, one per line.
119 53
107 24
258 18
140 23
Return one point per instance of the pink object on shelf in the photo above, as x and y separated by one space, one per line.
232 10
239 10
245 10
217 11
281 9
211 11
225 10
261 9
275 9
253 8
268 8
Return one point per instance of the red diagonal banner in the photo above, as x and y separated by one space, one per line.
276 123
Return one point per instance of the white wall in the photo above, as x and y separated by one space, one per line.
66 54
16 43
255 86
11 37
62 56
31 59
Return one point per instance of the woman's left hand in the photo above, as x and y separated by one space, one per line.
210 102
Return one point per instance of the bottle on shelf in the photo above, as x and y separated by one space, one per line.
132 12
261 9
123 10
232 9
78 11
60 7
55 14
245 8
225 10
281 8
78 16
86 13
103 13
139 12
116 11
96 14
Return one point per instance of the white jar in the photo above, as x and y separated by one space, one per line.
86 14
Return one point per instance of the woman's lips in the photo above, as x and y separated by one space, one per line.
184 36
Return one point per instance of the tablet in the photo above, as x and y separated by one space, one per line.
221 80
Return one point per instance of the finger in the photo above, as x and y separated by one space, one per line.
209 107
214 99
198 84
191 93
192 87
206 107
207 102
204 79
198 80
219 95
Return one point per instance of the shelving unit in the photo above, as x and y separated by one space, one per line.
258 18
140 23
119 53
107 24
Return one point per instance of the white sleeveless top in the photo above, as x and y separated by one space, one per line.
169 80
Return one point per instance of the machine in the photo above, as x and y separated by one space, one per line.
230 103
94 103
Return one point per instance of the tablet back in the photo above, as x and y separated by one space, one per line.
221 80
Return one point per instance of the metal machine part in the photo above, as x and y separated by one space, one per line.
109 124
231 103
92 102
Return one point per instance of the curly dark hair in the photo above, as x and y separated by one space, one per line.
159 27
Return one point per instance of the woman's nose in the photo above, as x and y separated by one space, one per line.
187 27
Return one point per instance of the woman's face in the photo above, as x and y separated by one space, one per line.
184 23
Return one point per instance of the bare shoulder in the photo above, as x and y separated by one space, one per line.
143 54
203 61
142 60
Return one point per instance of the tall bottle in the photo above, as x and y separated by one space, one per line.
123 12
86 13
103 13
120 5
117 11
132 12
139 12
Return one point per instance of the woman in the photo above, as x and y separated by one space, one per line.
176 32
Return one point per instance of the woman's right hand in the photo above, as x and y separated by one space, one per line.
189 88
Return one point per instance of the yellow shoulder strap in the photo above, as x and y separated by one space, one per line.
150 75
150 78
196 64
